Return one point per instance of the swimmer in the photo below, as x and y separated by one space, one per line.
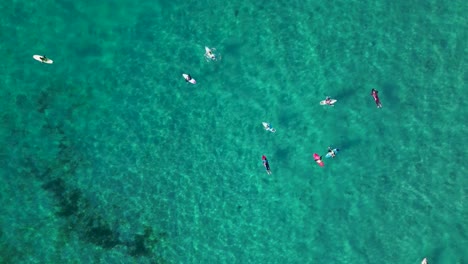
266 164
209 54
375 94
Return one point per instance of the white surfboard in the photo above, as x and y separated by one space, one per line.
209 54
39 58
325 102
186 76
424 261
267 127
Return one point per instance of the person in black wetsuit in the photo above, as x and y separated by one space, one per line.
43 58
332 153
266 164
375 95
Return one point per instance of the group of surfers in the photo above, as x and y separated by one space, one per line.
328 101
331 152
211 56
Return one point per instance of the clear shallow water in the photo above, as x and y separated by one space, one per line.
109 156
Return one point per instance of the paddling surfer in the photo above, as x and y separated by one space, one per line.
266 164
375 94
332 152
188 78
318 159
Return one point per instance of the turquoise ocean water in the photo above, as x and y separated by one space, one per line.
109 156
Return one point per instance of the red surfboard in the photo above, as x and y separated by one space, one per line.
318 160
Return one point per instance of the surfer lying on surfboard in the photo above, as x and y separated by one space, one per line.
318 159
268 127
332 152
188 78
266 164
375 94
328 101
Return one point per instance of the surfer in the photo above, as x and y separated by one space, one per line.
268 127
188 78
266 164
318 159
332 152
328 101
43 58
209 54
375 94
